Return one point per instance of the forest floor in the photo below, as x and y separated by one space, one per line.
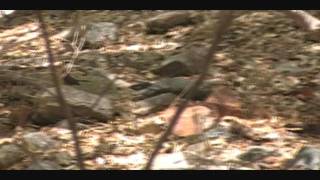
271 69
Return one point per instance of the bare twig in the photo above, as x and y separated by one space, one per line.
225 19
60 97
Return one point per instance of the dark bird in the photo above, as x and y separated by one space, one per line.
69 80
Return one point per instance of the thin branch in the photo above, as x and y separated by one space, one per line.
225 19
60 97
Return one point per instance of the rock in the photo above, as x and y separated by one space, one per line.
153 104
174 66
194 120
186 63
163 22
308 158
173 161
98 33
171 85
44 165
49 111
10 154
255 154
38 141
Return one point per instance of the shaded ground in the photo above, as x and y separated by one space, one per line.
272 70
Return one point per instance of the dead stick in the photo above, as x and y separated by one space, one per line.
60 97
225 19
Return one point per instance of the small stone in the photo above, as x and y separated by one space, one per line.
99 33
308 158
96 34
38 141
49 111
194 120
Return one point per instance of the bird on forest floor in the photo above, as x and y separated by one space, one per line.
69 80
